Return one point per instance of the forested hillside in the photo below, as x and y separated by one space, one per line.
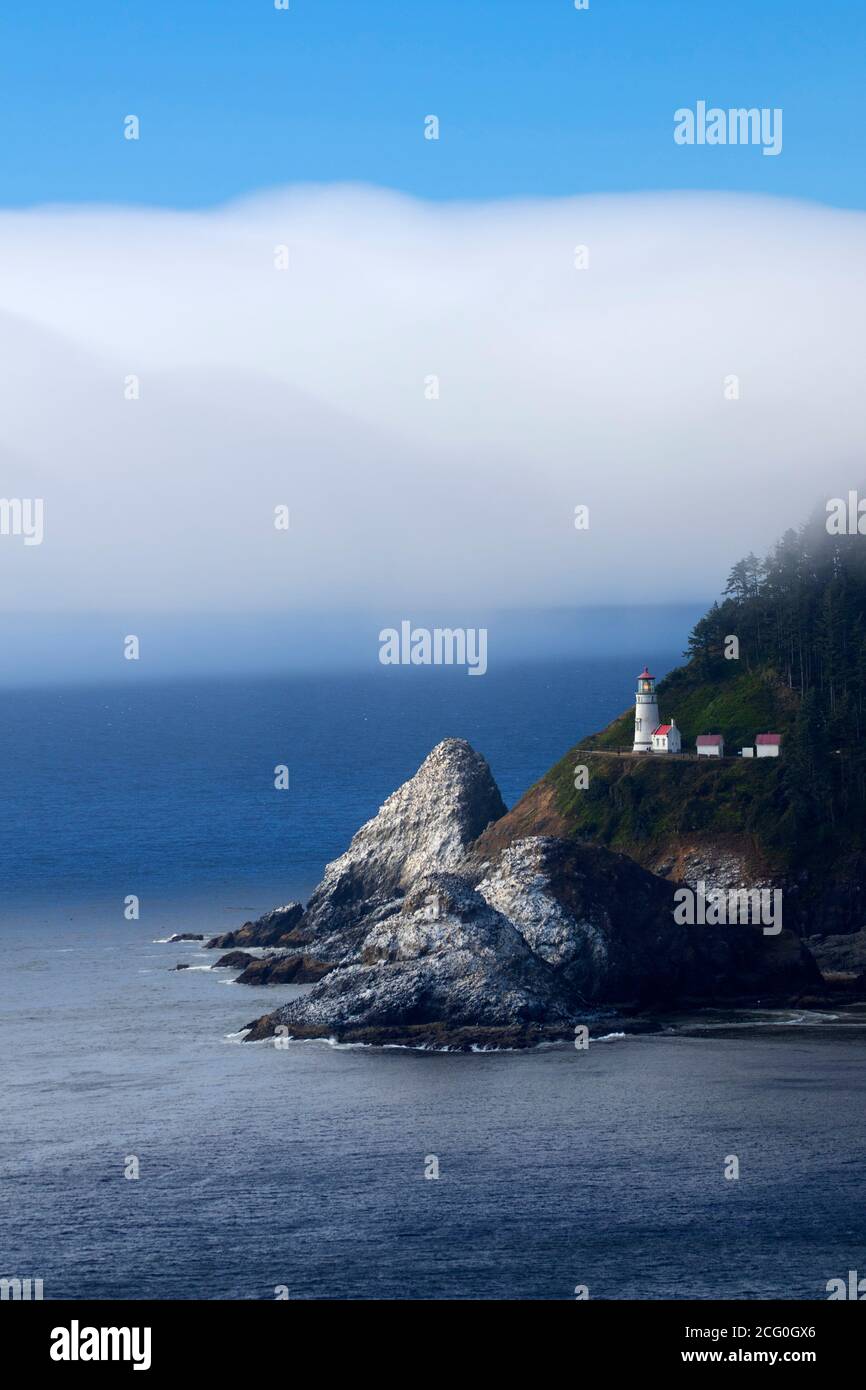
800 620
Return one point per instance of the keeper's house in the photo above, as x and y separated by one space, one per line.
666 738
767 745
710 745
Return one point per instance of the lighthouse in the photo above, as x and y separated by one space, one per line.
646 712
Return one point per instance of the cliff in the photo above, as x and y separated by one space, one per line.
729 823
797 668
451 920
431 941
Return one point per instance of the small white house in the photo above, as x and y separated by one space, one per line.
768 745
747 752
711 745
666 738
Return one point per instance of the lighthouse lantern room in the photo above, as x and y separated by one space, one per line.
646 712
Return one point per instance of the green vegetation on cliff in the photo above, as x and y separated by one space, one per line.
731 701
636 805
800 618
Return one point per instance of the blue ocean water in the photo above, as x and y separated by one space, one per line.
167 789
304 1167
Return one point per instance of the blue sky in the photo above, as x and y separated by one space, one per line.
533 97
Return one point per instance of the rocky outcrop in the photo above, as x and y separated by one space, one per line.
443 960
283 970
234 960
608 928
185 936
840 954
424 827
828 899
604 924
274 968
279 927
436 942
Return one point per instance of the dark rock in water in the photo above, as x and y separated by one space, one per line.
279 927
840 953
185 936
183 965
839 988
234 960
436 944
283 970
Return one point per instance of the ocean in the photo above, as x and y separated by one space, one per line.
263 1172
166 789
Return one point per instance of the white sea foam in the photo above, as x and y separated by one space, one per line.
803 1020
173 941
783 1018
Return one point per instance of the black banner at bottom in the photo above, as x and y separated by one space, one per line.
152 1338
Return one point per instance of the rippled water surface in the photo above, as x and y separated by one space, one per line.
305 1167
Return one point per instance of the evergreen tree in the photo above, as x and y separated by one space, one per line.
800 616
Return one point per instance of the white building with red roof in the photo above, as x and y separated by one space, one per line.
768 745
710 745
666 738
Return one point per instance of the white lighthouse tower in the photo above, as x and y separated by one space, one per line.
646 712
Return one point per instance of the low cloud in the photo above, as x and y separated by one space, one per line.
310 387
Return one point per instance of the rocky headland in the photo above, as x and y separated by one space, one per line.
451 921
426 933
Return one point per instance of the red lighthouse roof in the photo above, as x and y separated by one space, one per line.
645 675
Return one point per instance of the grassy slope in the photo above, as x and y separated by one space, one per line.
736 704
634 805
664 812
